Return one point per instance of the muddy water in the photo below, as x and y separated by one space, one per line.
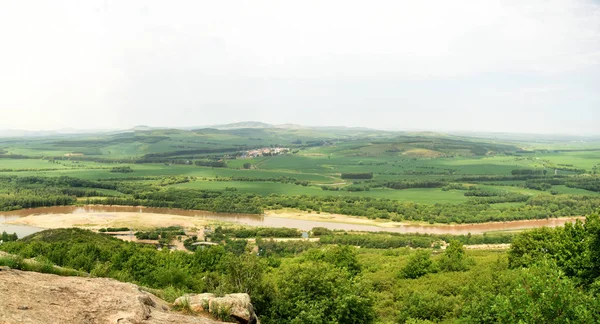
271 221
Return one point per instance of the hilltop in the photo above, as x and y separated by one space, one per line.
30 297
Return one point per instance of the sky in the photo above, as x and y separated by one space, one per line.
526 66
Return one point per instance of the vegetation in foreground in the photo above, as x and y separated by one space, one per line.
548 275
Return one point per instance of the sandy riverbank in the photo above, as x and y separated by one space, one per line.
139 218
333 218
145 220
358 220
103 219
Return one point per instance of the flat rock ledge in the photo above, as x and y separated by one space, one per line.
31 297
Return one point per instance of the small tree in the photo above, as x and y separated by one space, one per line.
455 258
8 237
343 256
418 265
247 165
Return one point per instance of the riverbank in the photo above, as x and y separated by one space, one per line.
360 220
141 218
474 228
97 220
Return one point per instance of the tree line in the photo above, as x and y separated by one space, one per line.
357 175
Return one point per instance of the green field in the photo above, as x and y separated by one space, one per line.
425 168
419 195
383 176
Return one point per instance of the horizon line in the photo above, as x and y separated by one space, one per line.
73 130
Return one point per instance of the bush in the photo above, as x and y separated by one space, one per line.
117 229
418 265
316 292
13 262
124 169
539 294
455 258
321 231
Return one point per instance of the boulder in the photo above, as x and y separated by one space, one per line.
198 303
236 306
30 297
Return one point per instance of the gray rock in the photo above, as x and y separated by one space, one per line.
237 306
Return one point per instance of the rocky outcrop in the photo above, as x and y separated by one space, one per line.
30 297
234 306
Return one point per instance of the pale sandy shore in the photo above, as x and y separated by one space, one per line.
118 219
152 220
359 220
333 218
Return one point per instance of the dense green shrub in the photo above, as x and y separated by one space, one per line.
357 175
123 169
214 164
284 248
538 294
419 264
454 258
248 232
315 292
321 231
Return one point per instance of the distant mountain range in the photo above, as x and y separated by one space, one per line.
58 132
240 125
261 125
247 124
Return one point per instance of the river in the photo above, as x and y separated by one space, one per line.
271 221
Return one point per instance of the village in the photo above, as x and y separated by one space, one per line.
265 151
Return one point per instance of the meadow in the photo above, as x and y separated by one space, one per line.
423 168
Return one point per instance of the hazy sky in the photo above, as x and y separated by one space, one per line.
510 65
